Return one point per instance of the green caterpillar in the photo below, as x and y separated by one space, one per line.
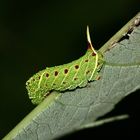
66 77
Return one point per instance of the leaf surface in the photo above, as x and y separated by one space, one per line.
62 113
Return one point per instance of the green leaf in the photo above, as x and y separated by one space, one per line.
62 113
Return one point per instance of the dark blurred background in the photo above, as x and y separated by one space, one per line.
36 34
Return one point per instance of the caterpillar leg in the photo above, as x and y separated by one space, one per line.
95 77
83 83
98 77
38 99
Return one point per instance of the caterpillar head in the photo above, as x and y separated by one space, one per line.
36 94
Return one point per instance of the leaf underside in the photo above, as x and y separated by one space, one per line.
64 112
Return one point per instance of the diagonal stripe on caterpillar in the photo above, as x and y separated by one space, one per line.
67 76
